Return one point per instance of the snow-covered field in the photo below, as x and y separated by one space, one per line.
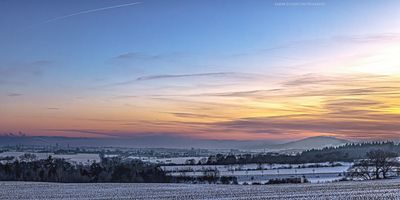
253 169
383 189
253 173
175 160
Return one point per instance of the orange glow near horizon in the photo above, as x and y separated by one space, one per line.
305 106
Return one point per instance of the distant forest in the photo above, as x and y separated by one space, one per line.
109 169
346 153
59 170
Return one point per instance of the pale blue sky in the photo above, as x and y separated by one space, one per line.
187 32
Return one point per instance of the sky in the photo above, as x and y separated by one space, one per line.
225 70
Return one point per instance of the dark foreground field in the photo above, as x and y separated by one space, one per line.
387 189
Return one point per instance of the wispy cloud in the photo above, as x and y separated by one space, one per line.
138 55
84 131
177 76
14 94
168 76
21 72
193 115
352 106
289 51
339 120
368 38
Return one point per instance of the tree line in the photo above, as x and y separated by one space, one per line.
345 153
112 169
109 169
378 164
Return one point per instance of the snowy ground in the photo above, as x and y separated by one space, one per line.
176 160
251 173
386 189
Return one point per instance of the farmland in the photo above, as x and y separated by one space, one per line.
263 172
382 189
245 173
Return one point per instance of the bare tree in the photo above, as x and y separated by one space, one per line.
361 169
383 162
378 163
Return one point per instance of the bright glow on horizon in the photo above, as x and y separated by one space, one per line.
389 58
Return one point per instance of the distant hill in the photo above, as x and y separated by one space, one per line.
318 142
164 141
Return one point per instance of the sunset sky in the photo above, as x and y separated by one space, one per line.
240 70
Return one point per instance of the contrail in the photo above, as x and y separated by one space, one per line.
89 11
